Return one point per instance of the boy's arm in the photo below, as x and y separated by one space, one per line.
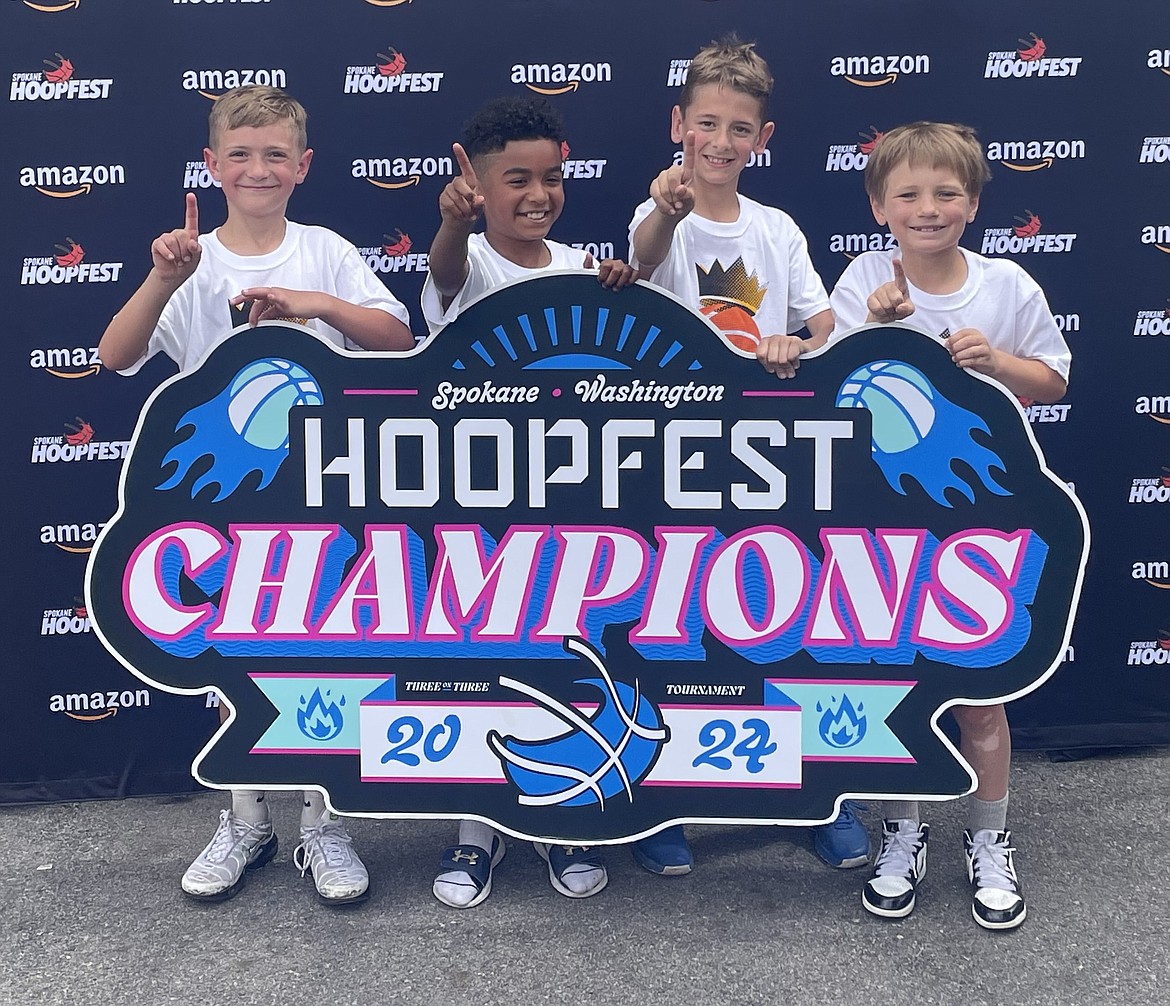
174 258
1032 379
780 354
459 205
673 200
370 327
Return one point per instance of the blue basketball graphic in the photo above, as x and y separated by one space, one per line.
900 398
261 395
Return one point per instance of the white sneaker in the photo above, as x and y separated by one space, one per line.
218 871
898 869
997 898
327 850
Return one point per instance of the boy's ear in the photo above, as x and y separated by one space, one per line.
766 131
974 209
212 162
878 213
676 125
303 164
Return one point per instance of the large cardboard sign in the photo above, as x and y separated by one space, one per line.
578 568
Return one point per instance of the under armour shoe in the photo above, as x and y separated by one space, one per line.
898 870
326 850
998 899
236 847
844 842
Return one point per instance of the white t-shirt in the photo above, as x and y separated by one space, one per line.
768 246
309 258
998 298
486 270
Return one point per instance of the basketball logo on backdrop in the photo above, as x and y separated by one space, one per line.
578 569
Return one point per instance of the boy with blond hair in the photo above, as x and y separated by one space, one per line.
510 174
924 181
261 266
746 267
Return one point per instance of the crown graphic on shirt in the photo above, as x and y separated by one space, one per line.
731 285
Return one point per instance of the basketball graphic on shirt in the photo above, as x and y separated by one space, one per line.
737 325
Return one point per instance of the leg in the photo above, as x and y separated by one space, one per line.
465 879
326 850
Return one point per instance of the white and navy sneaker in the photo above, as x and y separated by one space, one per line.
898 869
218 871
326 850
998 899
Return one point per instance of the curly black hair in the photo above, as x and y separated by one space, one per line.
503 120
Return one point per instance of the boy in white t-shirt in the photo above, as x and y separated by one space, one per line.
201 287
746 267
510 172
924 181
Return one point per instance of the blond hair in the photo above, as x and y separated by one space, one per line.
946 145
731 63
257 105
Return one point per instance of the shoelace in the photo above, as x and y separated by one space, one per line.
847 819
332 840
899 853
223 839
990 863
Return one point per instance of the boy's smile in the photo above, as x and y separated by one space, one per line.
926 208
523 195
727 129
258 167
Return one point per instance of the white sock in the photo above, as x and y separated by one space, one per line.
313 809
455 886
582 878
249 805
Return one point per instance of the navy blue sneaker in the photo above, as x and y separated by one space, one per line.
843 843
665 853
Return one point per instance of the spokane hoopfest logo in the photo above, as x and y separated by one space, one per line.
853 156
71 621
1151 490
1029 59
395 254
389 75
1147 652
57 82
676 73
599 572
876 71
401 172
63 181
1152 323
1155 150
1034 155
212 83
560 78
1025 238
67 266
578 168
197 175
77 443
66 362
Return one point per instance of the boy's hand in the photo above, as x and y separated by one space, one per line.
613 274
274 303
780 354
460 202
671 190
175 254
970 350
891 301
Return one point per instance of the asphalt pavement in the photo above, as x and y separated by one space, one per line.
92 914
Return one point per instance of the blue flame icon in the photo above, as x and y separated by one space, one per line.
318 721
843 726
597 757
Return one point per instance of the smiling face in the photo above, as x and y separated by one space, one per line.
926 208
522 194
728 130
258 167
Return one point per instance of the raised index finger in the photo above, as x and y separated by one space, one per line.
465 168
688 164
191 224
900 278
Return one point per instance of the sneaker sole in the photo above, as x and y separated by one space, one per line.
267 853
346 902
888 913
845 864
1000 926
657 868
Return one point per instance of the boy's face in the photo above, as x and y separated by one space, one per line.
522 191
258 167
927 209
727 129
